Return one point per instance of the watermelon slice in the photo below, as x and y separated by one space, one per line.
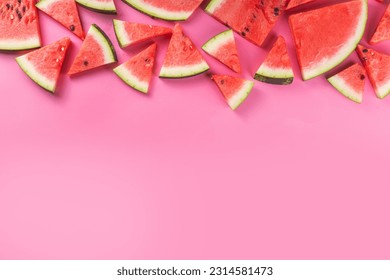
325 37
129 33
100 6
182 58
223 48
276 68
350 82
19 25
65 12
378 69
44 65
252 19
166 9
137 72
235 90
382 31
96 50
295 3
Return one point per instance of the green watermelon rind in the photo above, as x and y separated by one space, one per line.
105 42
274 76
20 45
344 89
130 79
240 96
105 9
184 71
213 5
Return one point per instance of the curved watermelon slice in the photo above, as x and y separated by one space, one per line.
378 69
129 33
100 6
182 58
44 65
276 68
382 31
166 9
96 50
65 12
223 48
350 82
295 3
19 25
325 37
138 71
234 90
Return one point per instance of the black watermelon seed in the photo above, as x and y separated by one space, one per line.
222 82
8 6
19 1
365 50
20 16
147 60
246 29
243 33
85 62
362 77
24 9
72 28
12 7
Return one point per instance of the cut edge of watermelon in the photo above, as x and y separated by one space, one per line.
276 76
12 45
214 43
384 90
103 7
129 78
184 71
108 48
345 89
239 97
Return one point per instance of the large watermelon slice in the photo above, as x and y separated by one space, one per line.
100 6
65 12
252 19
44 65
96 50
276 68
137 72
382 31
129 33
325 37
350 82
182 58
296 3
235 90
223 48
378 69
166 9
19 25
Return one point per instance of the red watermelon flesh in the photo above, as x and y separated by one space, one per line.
44 65
19 25
273 9
65 12
382 31
137 72
296 3
378 69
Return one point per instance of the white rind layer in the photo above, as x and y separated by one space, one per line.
17 45
184 71
275 72
345 89
214 5
128 77
241 95
215 43
384 90
109 56
99 6
121 34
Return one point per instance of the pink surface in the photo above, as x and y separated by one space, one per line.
103 172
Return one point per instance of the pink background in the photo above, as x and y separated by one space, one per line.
103 172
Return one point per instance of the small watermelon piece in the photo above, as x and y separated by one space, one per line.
182 59
65 12
100 6
137 72
382 31
129 33
325 37
96 50
295 3
44 65
276 68
377 65
223 48
350 82
166 9
235 90
19 25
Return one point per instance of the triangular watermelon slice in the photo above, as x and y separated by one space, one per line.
325 37
234 90
137 72
182 58
223 48
166 9
295 3
100 6
44 65
65 12
276 68
96 50
350 82
129 33
378 69
382 31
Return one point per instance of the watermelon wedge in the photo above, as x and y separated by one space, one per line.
96 50
378 69
223 48
137 72
44 65
295 3
100 6
182 58
234 90
166 9
19 25
276 68
382 31
65 12
350 82
325 37
129 33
